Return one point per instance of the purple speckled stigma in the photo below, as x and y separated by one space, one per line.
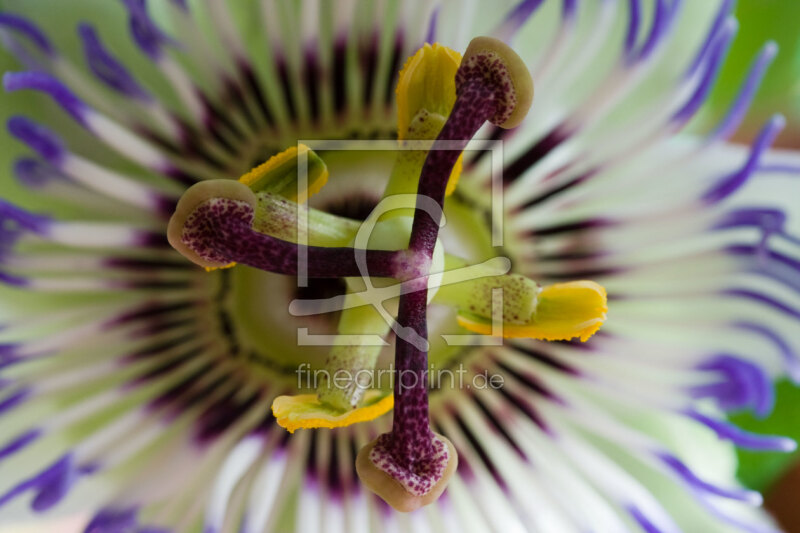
221 230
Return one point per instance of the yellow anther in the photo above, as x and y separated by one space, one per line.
306 411
427 81
427 84
279 174
563 311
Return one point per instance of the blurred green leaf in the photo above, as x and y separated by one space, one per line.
761 21
759 470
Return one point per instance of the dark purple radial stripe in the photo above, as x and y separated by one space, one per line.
166 367
50 485
733 118
27 28
333 475
742 438
233 97
112 521
135 264
559 274
350 482
484 455
285 82
151 311
368 58
763 299
156 348
494 420
570 227
721 17
312 467
516 18
151 239
39 138
188 146
187 394
526 379
160 326
33 173
690 478
19 443
632 33
220 416
217 120
119 520
662 18
733 182
268 424
544 358
9 350
712 68
770 219
643 521
146 34
11 360
41 81
744 384
107 68
533 155
770 263
552 193
568 10
779 168
252 84
339 75
790 358
523 405
179 396
162 285
312 80
14 400
395 64
15 219
13 280
179 176
430 35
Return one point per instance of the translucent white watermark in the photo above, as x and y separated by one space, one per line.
457 377
377 297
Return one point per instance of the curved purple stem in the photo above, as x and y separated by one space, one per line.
410 441
222 231
474 105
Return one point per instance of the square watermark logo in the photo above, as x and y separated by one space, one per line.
379 296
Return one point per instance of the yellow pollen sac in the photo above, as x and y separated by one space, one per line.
306 411
563 311
427 83
279 174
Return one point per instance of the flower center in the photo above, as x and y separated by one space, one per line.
394 263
